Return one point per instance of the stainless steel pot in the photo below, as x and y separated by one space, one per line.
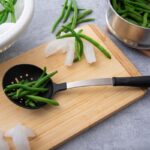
133 35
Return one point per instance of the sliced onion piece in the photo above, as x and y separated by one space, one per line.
89 52
68 42
20 136
55 46
70 53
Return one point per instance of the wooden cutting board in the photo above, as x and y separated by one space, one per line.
79 108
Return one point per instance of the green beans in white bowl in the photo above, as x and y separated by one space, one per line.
15 16
129 21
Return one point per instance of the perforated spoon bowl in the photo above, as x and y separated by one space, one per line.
31 73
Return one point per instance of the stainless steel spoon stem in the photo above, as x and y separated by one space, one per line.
94 82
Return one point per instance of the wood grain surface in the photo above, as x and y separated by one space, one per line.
79 108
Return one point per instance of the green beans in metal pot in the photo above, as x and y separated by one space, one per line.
136 12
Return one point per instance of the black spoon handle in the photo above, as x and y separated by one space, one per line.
59 87
141 81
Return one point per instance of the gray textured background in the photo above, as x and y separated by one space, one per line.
127 130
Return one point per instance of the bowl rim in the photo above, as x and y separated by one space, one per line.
21 24
138 26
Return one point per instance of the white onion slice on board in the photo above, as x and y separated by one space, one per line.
20 135
89 52
68 42
55 46
3 143
70 53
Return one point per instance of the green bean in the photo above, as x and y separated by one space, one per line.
121 11
68 12
61 17
135 13
145 21
124 15
78 22
141 9
44 73
62 29
131 21
84 14
142 5
27 102
42 99
78 40
13 17
135 17
96 44
31 89
44 79
30 103
42 86
68 35
81 45
21 89
77 49
85 20
11 94
80 31
75 16
4 17
1 14
14 2
114 3
72 9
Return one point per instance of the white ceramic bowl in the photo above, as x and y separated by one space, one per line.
11 34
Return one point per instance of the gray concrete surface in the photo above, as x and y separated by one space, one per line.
127 130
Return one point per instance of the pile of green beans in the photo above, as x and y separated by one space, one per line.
8 8
29 91
76 15
136 12
79 16
79 48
